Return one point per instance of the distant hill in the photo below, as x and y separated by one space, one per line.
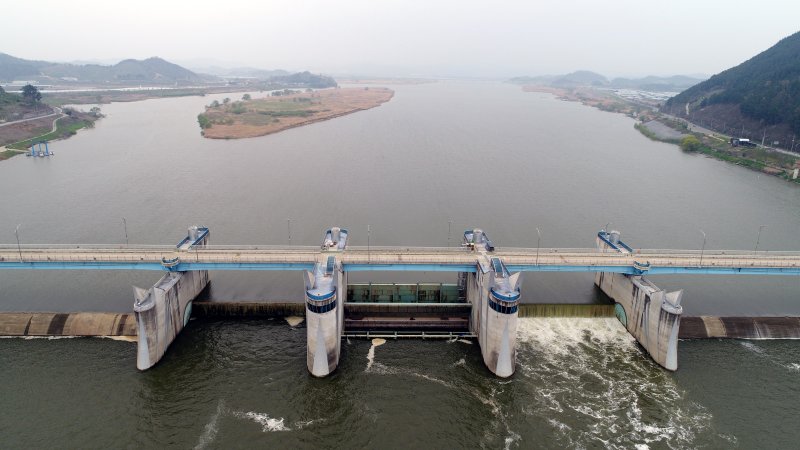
12 68
675 83
306 79
242 72
580 78
761 95
151 71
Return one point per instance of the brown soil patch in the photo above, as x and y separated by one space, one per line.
21 131
273 114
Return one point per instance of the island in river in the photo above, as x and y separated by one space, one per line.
285 109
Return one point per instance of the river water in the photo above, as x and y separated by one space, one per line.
476 154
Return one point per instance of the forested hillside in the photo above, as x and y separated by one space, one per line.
761 96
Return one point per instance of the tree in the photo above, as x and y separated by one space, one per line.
690 144
226 100
215 104
31 94
246 97
203 121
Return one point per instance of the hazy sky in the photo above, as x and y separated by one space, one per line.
407 37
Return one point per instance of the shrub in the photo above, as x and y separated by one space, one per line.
690 144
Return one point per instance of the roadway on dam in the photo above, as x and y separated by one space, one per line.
399 259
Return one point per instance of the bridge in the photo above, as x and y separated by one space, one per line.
433 259
489 281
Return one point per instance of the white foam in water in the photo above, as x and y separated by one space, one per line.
371 354
752 347
294 321
762 352
267 423
300 424
496 427
211 428
590 374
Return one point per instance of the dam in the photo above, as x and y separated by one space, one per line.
484 304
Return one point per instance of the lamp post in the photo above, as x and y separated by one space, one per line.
19 248
538 241
758 239
125 225
449 226
703 249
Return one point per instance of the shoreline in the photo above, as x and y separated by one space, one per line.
712 145
297 125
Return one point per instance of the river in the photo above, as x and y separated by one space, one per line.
476 154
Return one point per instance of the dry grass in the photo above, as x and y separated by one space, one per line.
273 114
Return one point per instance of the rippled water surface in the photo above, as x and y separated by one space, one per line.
580 383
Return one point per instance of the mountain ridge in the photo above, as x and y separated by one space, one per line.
760 95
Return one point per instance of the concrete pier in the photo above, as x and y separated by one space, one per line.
650 314
494 295
326 293
163 310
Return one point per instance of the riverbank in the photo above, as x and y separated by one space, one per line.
658 127
259 117
600 99
98 96
764 160
18 137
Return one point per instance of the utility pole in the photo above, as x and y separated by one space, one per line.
763 136
125 224
289 228
19 248
538 241
369 258
449 226
703 249
758 239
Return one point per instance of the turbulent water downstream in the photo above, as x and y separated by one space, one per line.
476 154
581 383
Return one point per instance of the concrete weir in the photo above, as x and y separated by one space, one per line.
650 314
163 310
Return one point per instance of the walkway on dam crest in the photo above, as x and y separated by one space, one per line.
453 259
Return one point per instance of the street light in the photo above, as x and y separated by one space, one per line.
703 249
758 239
125 224
538 241
19 248
449 226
